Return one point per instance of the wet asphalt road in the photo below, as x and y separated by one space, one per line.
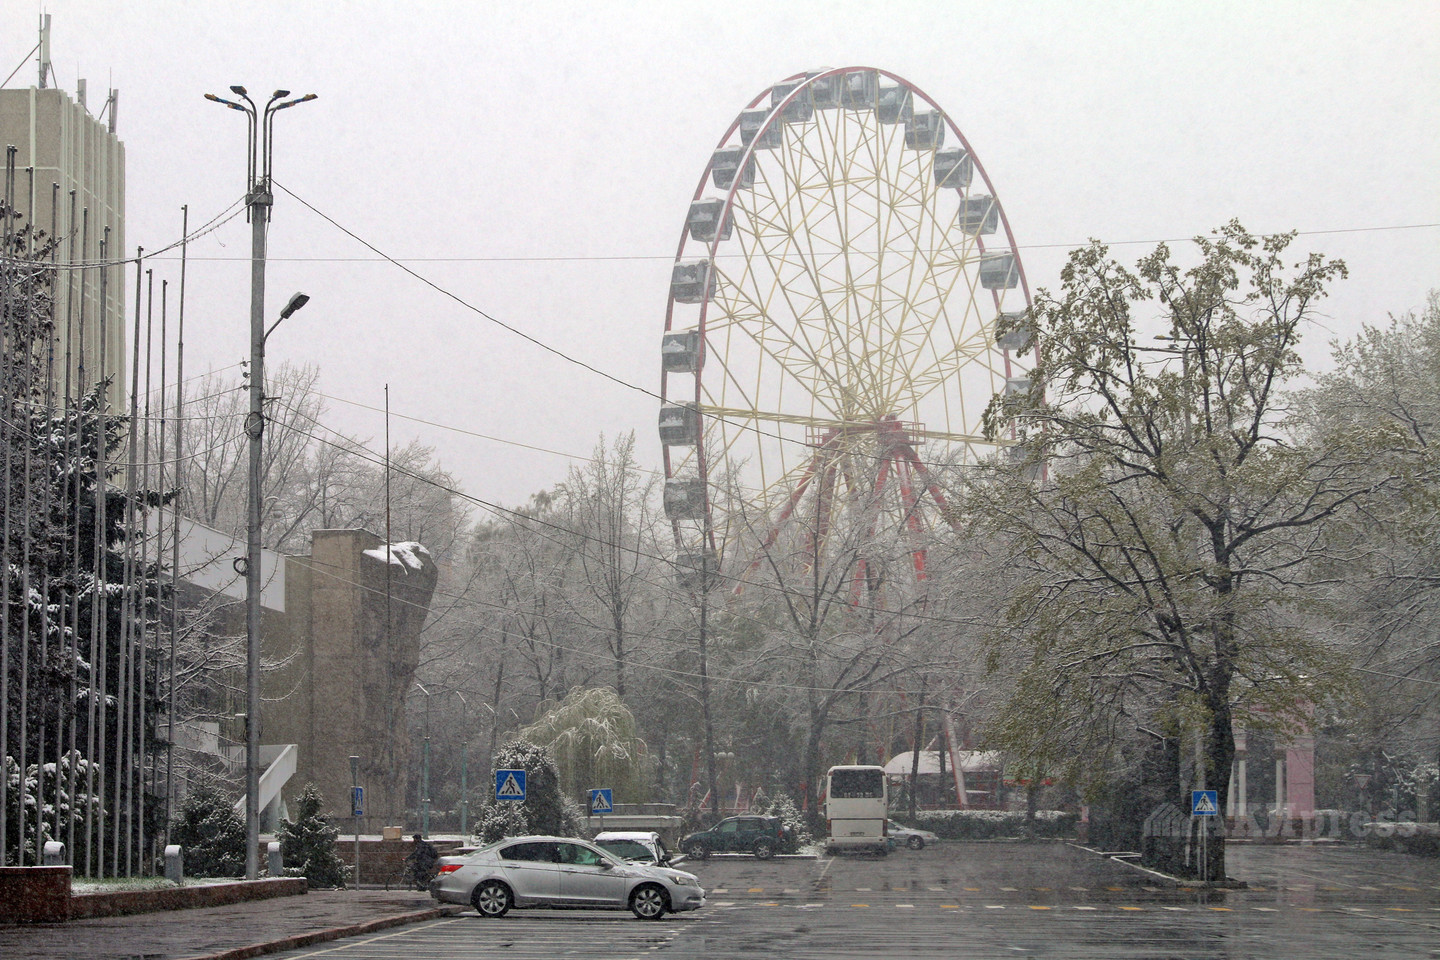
981 900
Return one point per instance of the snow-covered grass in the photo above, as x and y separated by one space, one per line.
125 884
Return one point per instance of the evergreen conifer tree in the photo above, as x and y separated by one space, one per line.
210 833
308 842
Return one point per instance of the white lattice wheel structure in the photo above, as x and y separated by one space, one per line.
829 341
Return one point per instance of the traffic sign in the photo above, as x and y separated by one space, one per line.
1204 803
601 801
509 784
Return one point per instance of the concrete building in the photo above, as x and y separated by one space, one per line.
70 182
340 635
346 648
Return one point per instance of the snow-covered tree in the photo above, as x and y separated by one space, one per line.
1167 553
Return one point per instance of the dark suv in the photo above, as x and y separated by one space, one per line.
762 836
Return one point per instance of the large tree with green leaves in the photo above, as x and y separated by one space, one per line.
1163 542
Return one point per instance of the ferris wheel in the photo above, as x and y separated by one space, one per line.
829 342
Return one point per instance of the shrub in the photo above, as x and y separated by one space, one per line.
995 824
211 834
783 807
308 842
543 811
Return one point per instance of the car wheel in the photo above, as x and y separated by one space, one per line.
697 851
648 902
916 842
763 849
492 899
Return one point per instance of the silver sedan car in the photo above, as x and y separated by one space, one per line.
561 872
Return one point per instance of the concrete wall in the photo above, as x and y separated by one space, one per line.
341 690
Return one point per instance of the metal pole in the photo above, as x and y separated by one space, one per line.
175 512
7 385
354 786
259 202
95 739
70 752
425 773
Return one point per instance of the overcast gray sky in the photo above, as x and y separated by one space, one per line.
537 160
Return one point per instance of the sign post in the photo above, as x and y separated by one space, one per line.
357 810
1204 803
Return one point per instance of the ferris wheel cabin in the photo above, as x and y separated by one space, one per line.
999 271
692 281
953 168
680 351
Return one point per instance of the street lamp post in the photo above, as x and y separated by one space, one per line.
260 125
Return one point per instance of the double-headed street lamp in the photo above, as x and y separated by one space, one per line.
258 198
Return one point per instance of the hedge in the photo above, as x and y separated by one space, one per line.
995 824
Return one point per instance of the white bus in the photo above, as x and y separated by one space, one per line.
856 809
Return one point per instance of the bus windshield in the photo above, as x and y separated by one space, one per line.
857 784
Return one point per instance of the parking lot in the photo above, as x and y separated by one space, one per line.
982 900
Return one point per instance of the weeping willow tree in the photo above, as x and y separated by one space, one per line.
593 738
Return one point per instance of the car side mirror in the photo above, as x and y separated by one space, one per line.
607 865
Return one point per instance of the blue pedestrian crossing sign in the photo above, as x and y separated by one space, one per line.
509 784
1204 803
601 801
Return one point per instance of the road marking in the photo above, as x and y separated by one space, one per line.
936 889
1136 909
994 906
1180 909
1041 889
725 903
789 891
863 890
720 890
861 905
383 936
1400 909
949 906
1222 909
1266 909
772 903
1081 889
1009 889
756 890
1087 908
1116 889
1037 907
1410 889
904 906
972 889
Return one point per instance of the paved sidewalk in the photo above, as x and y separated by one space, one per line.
216 931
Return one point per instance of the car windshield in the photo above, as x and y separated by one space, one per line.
629 849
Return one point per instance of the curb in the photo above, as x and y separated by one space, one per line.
334 933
